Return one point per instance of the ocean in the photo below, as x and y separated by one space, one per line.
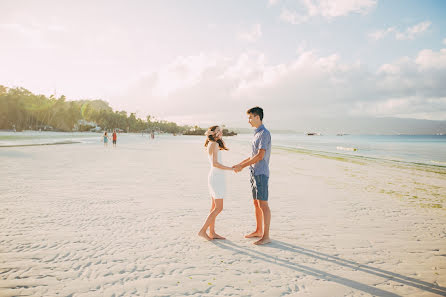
421 149
424 149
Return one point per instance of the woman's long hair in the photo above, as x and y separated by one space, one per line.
211 137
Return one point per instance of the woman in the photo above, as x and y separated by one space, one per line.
105 136
216 180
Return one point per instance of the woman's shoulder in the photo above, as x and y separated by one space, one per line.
212 146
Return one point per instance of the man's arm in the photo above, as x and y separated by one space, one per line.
246 160
258 157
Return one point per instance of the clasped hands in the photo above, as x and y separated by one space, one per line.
237 168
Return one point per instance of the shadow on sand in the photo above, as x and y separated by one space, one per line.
394 277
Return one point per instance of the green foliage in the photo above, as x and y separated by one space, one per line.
22 110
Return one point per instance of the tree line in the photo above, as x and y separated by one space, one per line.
20 110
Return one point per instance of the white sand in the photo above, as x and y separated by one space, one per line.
81 220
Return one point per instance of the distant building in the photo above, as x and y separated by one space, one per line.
83 125
96 129
86 123
44 128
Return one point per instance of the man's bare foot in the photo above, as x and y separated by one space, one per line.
215 236
204 235
254 234
262 241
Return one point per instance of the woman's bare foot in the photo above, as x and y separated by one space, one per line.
204 235
254 234
216 236
262 241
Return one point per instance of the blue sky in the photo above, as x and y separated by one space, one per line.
201 62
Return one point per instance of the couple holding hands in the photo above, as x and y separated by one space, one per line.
259 175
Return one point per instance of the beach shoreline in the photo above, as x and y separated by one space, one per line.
38 144
346 157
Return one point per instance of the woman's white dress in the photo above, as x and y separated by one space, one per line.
216 179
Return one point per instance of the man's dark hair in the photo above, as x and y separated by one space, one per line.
256 111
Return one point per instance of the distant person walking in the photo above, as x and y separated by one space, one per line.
259 167
105 136
115 137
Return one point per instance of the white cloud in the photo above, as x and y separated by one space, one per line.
184 72
214 86
293 17
328 9
404 107
380 34
428 59
31 35
444 41
272 2
252 35
413 31
409 34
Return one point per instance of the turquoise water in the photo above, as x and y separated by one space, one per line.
426 149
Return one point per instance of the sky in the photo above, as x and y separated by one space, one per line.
206 62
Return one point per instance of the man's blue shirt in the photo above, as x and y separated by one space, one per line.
262 140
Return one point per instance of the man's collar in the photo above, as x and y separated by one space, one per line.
260 128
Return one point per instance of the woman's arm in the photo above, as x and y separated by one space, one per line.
214 151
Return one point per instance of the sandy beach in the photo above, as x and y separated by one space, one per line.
84 220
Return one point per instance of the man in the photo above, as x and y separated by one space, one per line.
259 167
115 137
